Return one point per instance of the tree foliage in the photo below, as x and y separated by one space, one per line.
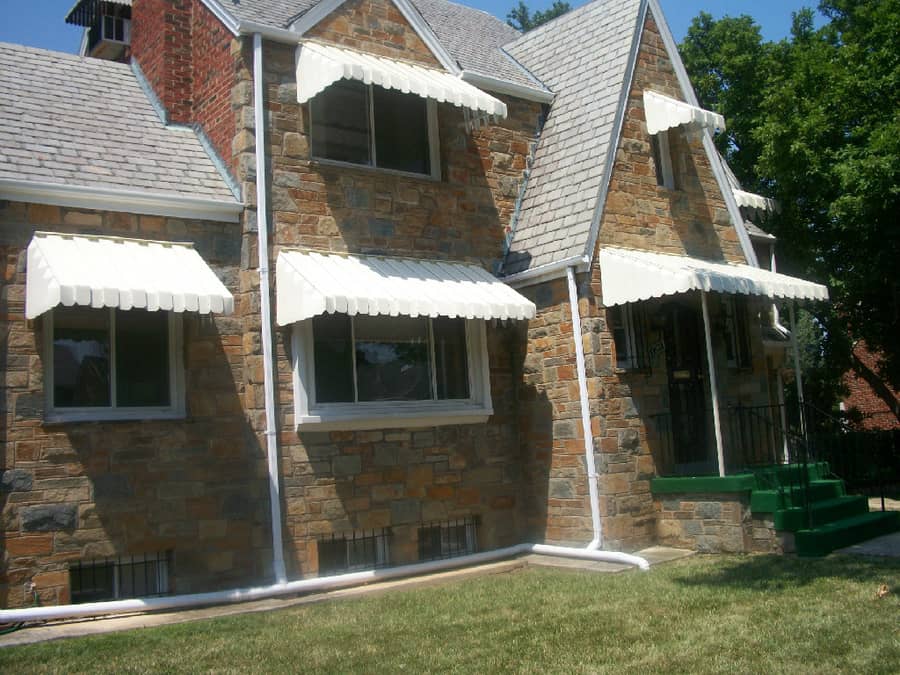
521 18
814 121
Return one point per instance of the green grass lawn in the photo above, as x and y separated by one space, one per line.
710 614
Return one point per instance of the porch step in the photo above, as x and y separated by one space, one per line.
817 490
819 541
793 518
787 474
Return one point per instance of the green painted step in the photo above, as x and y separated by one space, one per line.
822 540
786 474
818 490
826 511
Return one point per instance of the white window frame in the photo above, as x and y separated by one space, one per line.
434 145
176 409
310 415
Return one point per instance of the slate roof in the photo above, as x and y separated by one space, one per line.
80 121
582 57
472 37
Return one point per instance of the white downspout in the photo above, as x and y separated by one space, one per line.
306 585
585 411
262 228
713 386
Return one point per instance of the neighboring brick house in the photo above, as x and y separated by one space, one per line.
388 397
871 402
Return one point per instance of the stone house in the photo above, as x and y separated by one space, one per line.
306 287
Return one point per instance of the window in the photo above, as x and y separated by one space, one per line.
662 159
628 324
369 371
448 540
112 364
369 125
138 576
354 551
737 333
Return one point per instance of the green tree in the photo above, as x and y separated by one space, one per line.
814 121
521 18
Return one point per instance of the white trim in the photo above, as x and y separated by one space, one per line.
554 270
314 15
385 414
228 20
618 125
176 409
423 30
715 160
499 86
113 199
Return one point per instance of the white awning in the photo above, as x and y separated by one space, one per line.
312 283
631 276
319 66
95 271
664 113
754 201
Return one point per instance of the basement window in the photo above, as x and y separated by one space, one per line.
137 576
354 551
448 539
356 123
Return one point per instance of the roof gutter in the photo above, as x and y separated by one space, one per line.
554 270
114 199
499 86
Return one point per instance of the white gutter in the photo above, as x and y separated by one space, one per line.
114 199
262 228
305 585
499 86
590 466
554 270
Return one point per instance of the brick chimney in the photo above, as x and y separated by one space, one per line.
161 45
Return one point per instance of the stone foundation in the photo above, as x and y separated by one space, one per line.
715 523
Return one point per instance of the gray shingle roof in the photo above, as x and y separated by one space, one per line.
472 37
583 58
79 121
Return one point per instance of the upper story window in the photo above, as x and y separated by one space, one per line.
113 364
662 159
372 126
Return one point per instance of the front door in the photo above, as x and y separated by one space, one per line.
683 337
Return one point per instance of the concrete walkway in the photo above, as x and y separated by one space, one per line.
57 630
886 546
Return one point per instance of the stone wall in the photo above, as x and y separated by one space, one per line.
85 491
712 523
336 482
640 214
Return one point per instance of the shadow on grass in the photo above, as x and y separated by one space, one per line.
777 572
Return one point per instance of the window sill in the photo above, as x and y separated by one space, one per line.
135 415
337 164
395 416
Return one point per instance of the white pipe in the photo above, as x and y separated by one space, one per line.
585 411
798 373
262 228
306 585
713 386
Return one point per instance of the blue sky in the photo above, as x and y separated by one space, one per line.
39 23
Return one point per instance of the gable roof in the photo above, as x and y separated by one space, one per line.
584 58
473 38
77 122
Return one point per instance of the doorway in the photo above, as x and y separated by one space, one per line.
684 344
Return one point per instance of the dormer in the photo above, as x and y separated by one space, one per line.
107 28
